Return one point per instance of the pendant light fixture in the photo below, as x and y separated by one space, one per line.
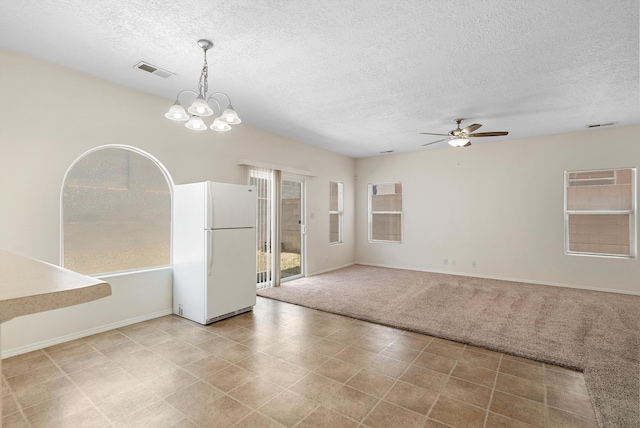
201 106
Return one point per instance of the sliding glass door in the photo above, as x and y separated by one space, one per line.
263 180
291 229
279 227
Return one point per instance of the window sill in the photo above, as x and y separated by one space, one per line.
603 256
130 272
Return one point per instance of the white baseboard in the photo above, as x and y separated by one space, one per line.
500 278
6 353
331 269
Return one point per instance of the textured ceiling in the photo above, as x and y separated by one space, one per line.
360 76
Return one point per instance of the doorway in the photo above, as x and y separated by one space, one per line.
280 226
291 228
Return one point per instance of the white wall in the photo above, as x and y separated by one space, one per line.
51 115
499 204
135 297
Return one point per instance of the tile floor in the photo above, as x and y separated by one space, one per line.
284 365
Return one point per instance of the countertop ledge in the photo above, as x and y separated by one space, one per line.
28 286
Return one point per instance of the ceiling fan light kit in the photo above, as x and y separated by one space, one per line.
202 104
459 142
460 137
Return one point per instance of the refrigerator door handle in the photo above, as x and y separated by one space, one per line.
209 224
209 251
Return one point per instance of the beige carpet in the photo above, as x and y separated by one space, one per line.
595 332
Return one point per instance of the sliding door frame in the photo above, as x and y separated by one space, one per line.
303 225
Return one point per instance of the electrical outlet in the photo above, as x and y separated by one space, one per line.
446 261
453 262
473 264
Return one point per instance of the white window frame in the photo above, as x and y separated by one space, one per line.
633 251
339 212
371 213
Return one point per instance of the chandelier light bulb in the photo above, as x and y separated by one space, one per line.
196 123
176 112
230 116
200 108
220 125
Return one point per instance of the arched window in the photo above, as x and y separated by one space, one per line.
116 212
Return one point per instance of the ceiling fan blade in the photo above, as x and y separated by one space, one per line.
429 133
471 128
488 134
467 145
433 142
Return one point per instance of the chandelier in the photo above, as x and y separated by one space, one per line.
201 106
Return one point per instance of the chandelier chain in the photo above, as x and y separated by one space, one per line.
203 85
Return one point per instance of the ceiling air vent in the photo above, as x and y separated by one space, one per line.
386 151
599 125
144 66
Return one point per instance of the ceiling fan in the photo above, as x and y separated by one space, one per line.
460 137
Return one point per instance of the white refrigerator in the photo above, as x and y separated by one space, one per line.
214 250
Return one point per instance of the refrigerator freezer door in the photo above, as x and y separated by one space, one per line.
231 206
190 206
232 283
